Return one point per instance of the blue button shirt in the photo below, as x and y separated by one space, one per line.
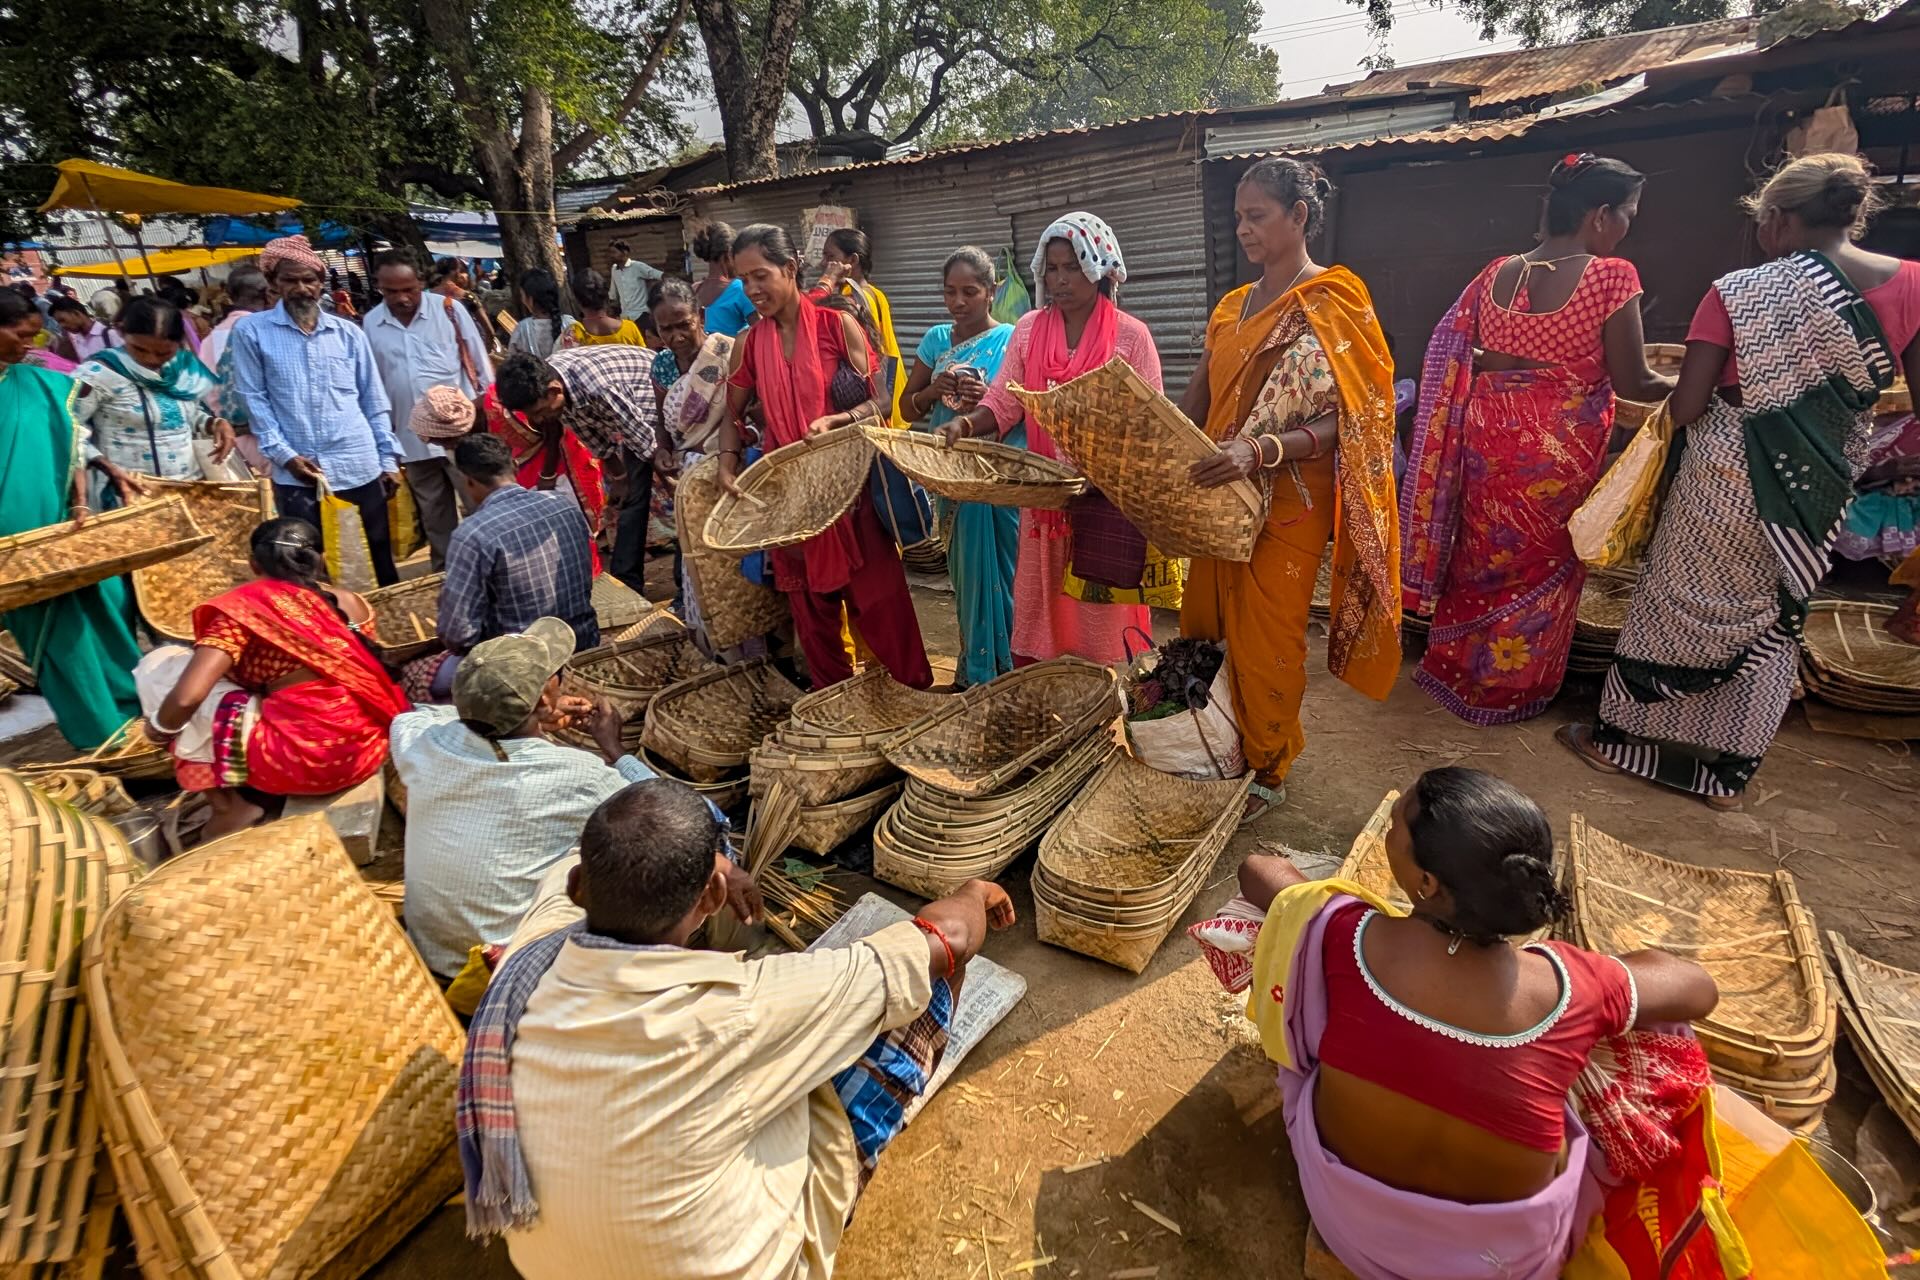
314 395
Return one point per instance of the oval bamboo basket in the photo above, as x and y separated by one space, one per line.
628 673
733 609
814 777
863 711
170 591
708 725
406 619
249 1142
985 737
52 561
727 794
1855 697
1847 645
1177 894
129 753
1129 947
791 494
1036 798
1136 447
65 867
655 620
1881 1005
983 471
899 866
824 828
1776 1019
1366 861
1133 835
1665 358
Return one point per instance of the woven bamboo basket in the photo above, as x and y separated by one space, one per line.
824 828
815 777
708 725
863 711
617 606
979 470
727 794
406 619
1175 895
928 556
1847 644
277 1070
7 689
1136 447
1881 1005
1046 787
1321 606
1366 861
654 621
168 592
13 663
733 609
1855 697
65 867
983 738
930 878
791 494
628 673
1129 946
87 790
1665 358
1776 1019
1132 834
43 563
129 753
1601 613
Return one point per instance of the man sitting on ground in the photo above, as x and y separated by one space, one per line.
523 554
628 1105
492 800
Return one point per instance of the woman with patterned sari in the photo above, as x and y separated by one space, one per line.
1784 363
1297 386
278 696
951 371
549 460
1516 409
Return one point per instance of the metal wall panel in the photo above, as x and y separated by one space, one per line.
654 241
1327 127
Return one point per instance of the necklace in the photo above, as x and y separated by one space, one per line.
1250 309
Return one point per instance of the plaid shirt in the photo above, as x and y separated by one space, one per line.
524 555
609 397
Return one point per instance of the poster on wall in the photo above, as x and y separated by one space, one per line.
816 224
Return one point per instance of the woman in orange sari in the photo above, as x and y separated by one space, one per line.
278 697
1298 386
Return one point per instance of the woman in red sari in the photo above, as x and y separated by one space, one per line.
543 462
301 706
1516 408
812 370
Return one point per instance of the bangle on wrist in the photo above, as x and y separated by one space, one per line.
1279 452
933 931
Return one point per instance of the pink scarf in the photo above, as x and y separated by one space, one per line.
1049 363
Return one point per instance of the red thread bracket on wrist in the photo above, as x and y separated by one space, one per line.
933 931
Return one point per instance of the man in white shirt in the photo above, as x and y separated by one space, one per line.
629 281
423 340
632 1107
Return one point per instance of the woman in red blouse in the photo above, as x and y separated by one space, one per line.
1516 408
306 705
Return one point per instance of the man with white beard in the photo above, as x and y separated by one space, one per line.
315 401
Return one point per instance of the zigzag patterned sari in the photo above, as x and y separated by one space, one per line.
1705 665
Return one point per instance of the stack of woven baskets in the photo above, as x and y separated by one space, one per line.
1851 661
1596 626
703 729
629 672
989 769
1881 1005
64 869
1772 1036
1126 858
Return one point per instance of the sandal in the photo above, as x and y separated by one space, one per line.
1578 738
1270 798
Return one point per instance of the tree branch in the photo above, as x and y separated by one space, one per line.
569 153
438 179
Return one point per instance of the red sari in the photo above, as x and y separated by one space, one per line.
580 468
310 739
854 564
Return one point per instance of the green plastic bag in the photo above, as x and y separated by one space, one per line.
1011 300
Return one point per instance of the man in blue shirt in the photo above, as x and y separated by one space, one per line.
315 401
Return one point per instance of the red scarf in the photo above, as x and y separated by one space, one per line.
1049 363
793 391
301 623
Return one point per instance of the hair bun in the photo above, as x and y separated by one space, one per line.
1323 185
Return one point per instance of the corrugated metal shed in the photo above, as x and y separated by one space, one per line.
1523 74
1337 123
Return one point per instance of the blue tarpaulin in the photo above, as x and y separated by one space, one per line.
437 227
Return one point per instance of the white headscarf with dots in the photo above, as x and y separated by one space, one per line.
1093 243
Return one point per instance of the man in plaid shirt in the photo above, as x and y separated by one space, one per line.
522 555
604 395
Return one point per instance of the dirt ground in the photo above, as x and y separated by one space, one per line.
1128 1126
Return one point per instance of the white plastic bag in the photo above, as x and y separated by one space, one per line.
1203 745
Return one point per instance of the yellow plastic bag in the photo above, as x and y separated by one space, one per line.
1613 526
464 992
403 522
349 559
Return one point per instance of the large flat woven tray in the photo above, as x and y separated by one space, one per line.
979 470
791 494
1776 1018
1881 1005
129 753
1135 446
984 738
733 609
169 592
43 563
406 619
276 1070
1847 644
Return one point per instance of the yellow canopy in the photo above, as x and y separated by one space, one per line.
86 185
160 262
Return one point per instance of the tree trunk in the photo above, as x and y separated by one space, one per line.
750 98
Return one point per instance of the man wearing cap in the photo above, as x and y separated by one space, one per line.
314 401
492 800
417 347
629 280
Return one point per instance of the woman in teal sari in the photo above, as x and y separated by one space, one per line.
951 371
80 645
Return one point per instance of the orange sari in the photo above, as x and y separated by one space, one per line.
1266 373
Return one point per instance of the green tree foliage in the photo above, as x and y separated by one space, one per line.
1543 22
911 69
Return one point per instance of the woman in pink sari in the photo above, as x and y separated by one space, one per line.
1516 409
1081 328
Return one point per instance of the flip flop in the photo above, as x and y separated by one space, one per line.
1578 739
1270 798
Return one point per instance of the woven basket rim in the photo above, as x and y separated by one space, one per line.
779 753
1069 727
803 728
1042 897
151 585
39 585
387 596
844 447
1864 982
1829 659
665 718
1121 771
1049 485
732 608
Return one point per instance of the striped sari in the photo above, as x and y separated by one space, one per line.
1705 665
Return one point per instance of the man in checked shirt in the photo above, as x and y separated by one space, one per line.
604 395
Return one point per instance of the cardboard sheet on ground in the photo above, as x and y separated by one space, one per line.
988 995
1135 446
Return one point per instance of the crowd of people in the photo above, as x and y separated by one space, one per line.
526 457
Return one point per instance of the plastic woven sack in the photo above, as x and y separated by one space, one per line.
1011 300
1613 526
